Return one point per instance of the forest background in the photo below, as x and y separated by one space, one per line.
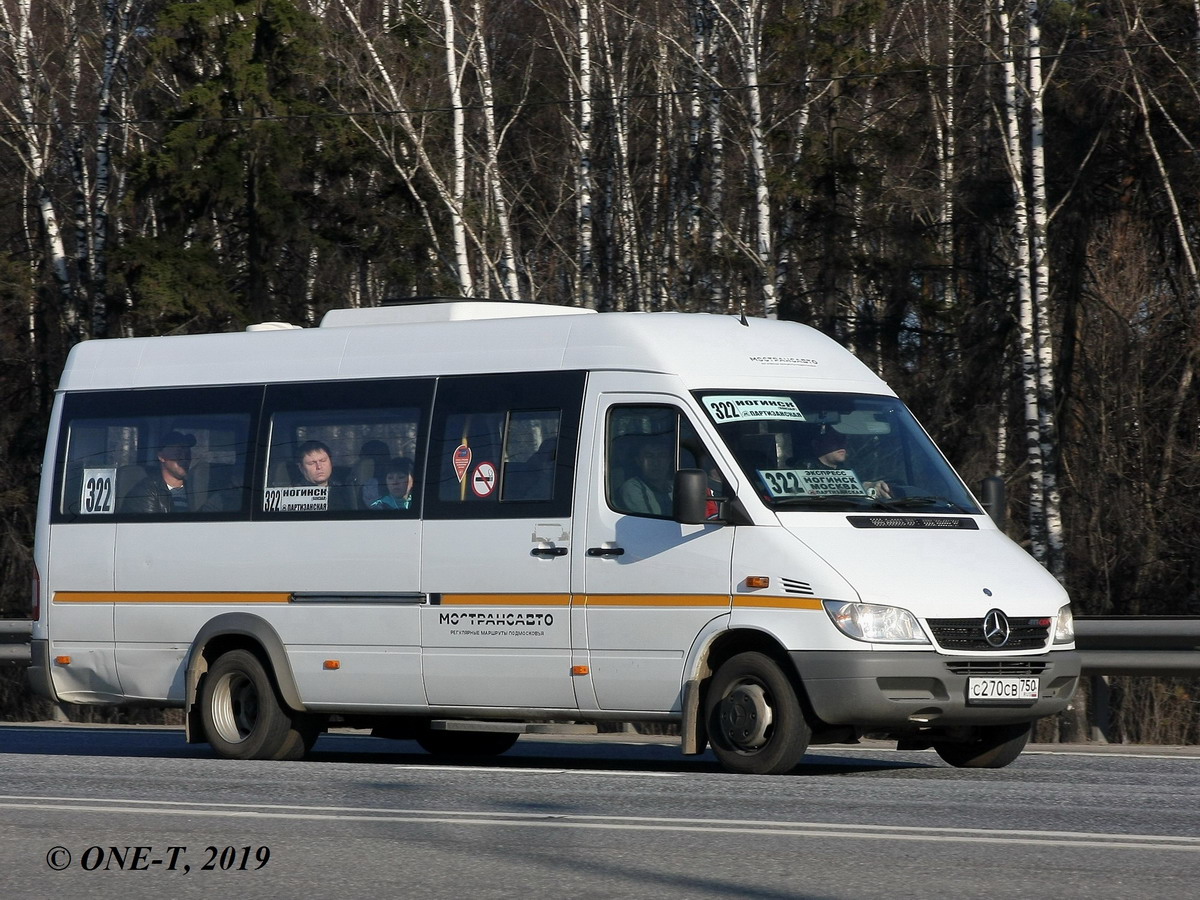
994 203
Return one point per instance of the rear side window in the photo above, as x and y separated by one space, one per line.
343 450
503 446
151 454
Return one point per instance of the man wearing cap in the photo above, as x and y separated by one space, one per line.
830 451
167 491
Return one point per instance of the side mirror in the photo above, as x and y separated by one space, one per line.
991 491
691 499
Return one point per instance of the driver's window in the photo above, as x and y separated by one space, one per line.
646 445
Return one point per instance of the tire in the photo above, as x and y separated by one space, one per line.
466 743
755 723
994 747
242 715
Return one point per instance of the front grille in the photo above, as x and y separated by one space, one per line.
1014 667
967 634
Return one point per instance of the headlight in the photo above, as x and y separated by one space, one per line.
877 624
1064 628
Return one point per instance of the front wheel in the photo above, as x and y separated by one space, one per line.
993 747
755 723
242 715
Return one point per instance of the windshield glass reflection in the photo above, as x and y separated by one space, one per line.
835 452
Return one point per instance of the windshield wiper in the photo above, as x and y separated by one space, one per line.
854 501
910 502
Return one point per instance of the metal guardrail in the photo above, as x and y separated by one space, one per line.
1109 645
1138 645
14 640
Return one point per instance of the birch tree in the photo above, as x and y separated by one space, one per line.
30 109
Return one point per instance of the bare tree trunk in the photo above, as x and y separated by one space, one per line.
383 87
508 258
584 182
1184 235
743 24
116 38
1043 318
718 237
624 238
1015 155
764 250
33 126
466 283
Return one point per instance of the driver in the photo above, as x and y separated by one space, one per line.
829 452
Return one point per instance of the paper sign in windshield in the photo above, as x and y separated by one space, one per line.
742 408
783 483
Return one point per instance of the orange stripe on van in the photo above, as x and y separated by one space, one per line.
755 602
223 597
505 599
716 600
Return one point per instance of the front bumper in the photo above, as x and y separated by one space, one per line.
910 691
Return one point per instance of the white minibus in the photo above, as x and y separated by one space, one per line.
460 522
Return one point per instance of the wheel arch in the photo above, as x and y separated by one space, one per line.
236 631
708 657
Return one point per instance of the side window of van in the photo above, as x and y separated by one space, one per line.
646 445
156 453
503 446
349 449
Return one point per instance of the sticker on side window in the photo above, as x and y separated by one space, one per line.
96 497
742 408
462 461
313 498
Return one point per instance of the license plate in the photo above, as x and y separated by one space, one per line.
991 690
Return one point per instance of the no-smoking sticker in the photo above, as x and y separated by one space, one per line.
483 479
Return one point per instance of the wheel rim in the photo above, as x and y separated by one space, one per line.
746 716
235 707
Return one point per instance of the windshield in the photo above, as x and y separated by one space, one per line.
835 451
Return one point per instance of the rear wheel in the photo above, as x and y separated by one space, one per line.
993 747
755 723
466 743
242 715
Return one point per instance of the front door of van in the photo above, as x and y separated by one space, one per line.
495 554
647 585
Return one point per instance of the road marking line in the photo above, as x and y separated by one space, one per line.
616 823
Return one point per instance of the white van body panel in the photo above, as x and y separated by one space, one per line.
366 557
595 614
962 573
699 349
643 608
497 597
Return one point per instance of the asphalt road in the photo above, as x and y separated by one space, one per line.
135 812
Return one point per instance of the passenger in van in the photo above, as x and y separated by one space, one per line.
165 492
316 468
399 480
830 451
649 491
370 471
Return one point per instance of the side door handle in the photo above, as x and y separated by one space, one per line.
605 551
548 551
